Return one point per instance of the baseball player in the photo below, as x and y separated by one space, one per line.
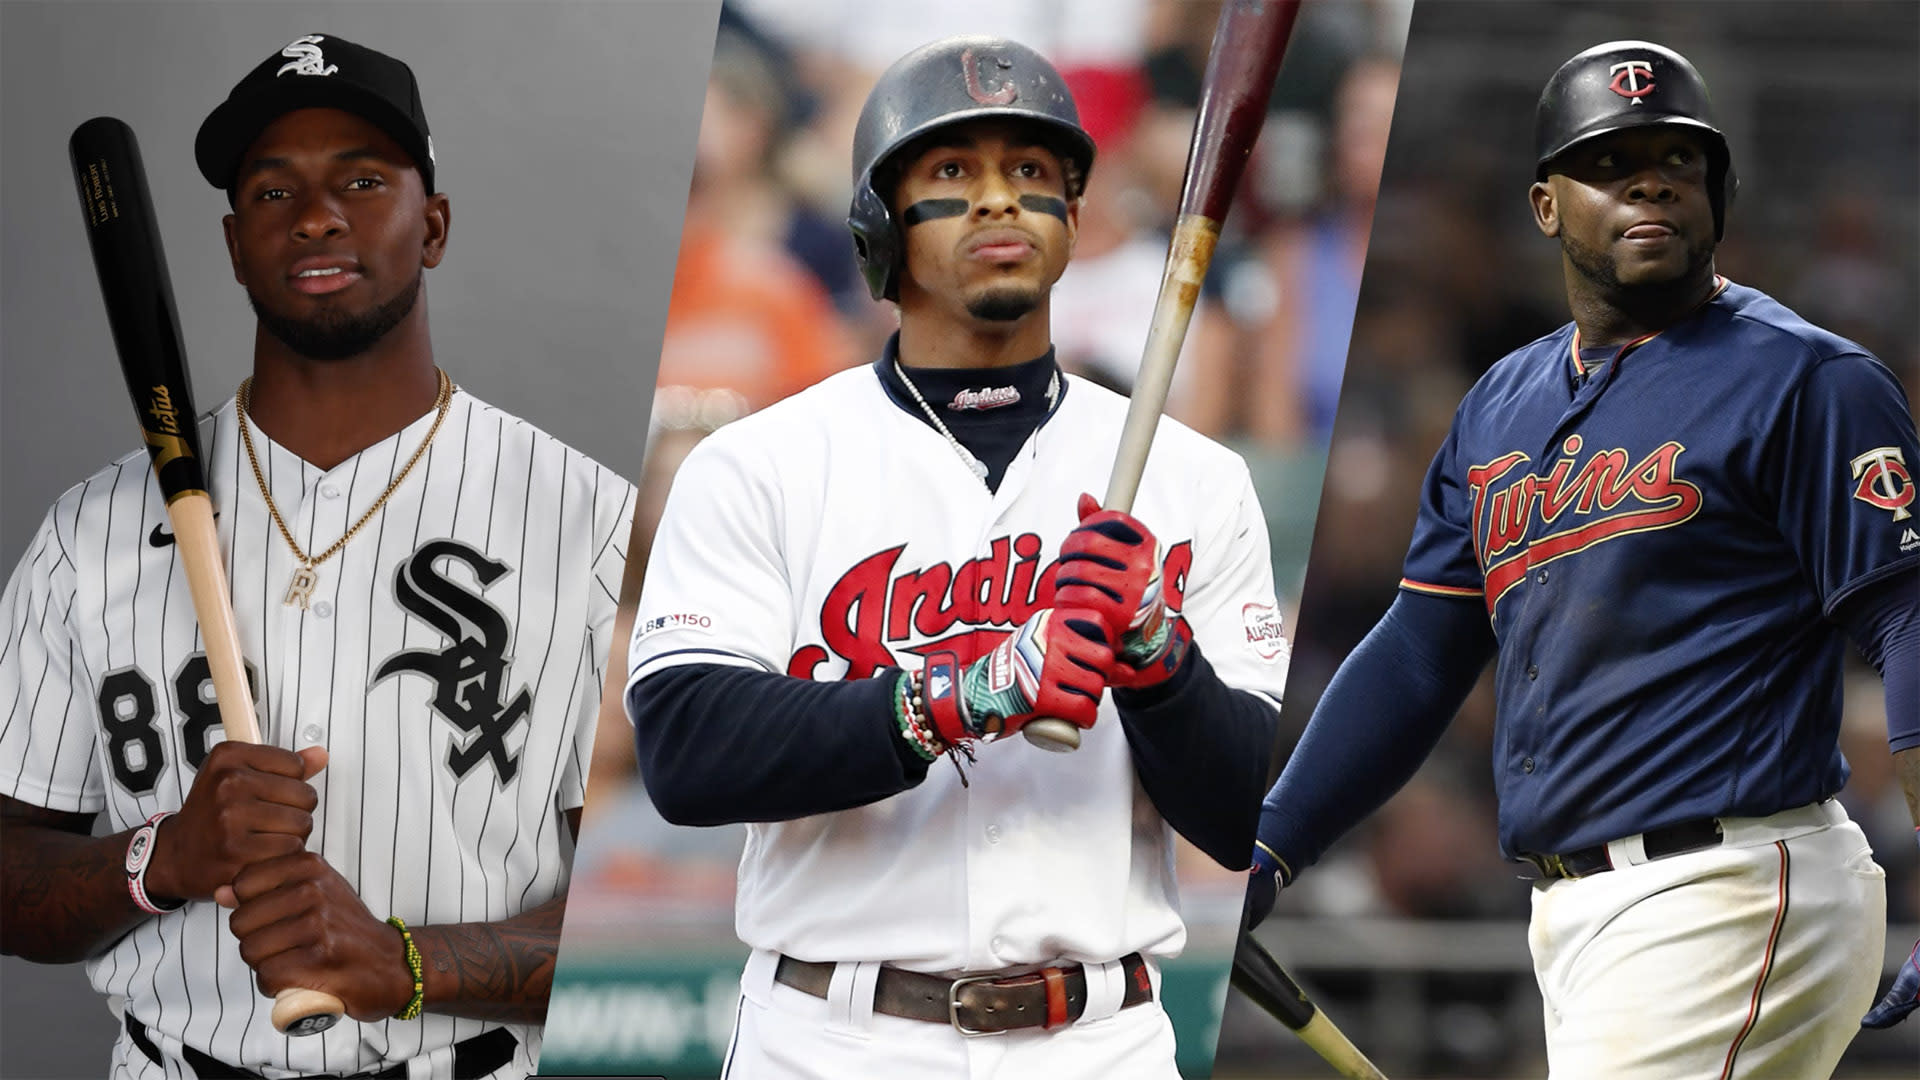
860 594
424 588
1666 519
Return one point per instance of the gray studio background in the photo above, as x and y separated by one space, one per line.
564 133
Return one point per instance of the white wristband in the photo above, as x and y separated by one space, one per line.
139 855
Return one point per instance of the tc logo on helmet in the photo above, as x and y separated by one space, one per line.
1632 79
1883 481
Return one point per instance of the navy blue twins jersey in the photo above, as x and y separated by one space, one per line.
1660 549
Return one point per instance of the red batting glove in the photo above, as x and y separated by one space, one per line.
1055 665
1111 565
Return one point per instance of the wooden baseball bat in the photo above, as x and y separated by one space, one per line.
124 235
1259 976
1248 42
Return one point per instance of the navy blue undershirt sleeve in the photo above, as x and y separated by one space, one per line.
1201 748
1882 619
1380 717
719 744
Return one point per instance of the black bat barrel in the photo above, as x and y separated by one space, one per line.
125 237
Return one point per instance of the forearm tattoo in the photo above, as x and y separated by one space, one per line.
63 893
493 971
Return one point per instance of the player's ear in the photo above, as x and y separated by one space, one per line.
439 212
1073 225
1546 211
233 247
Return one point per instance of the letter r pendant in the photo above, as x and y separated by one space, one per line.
300 589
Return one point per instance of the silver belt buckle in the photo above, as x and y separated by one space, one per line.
953 1005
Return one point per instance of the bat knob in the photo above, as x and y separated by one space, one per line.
1055 735
306 1012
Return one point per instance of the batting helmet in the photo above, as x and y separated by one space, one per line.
943 83
1629 84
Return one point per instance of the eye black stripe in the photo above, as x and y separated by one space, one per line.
1045 204
932 210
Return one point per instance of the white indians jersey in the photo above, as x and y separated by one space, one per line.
450 662
833 534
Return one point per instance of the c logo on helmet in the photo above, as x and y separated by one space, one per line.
1632 79
970 67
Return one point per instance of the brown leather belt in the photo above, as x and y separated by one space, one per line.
977 1004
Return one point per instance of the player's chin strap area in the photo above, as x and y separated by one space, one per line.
473 1058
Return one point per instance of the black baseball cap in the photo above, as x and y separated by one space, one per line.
315 71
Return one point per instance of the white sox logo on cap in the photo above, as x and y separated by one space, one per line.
305 54
1632 79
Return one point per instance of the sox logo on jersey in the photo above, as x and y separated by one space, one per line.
490 574
469 672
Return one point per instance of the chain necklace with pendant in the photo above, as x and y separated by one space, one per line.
300 589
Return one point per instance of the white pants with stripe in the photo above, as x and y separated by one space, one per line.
788 1034
1754 959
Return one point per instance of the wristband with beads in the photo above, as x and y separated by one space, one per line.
909 712
416 1004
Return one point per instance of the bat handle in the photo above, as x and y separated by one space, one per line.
306 1012
197 538
1049 734
295 1011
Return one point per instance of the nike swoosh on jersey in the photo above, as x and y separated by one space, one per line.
160 537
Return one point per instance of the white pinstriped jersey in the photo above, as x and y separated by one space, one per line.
832 534
450 662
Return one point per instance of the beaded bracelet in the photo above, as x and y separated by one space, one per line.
908 711
418 1002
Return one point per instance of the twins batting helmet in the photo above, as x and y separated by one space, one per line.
936 85
1629 84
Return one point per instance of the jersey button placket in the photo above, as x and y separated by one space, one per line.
323 518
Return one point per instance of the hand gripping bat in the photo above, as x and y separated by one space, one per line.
1248 42
125 238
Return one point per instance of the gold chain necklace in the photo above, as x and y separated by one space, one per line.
300 589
